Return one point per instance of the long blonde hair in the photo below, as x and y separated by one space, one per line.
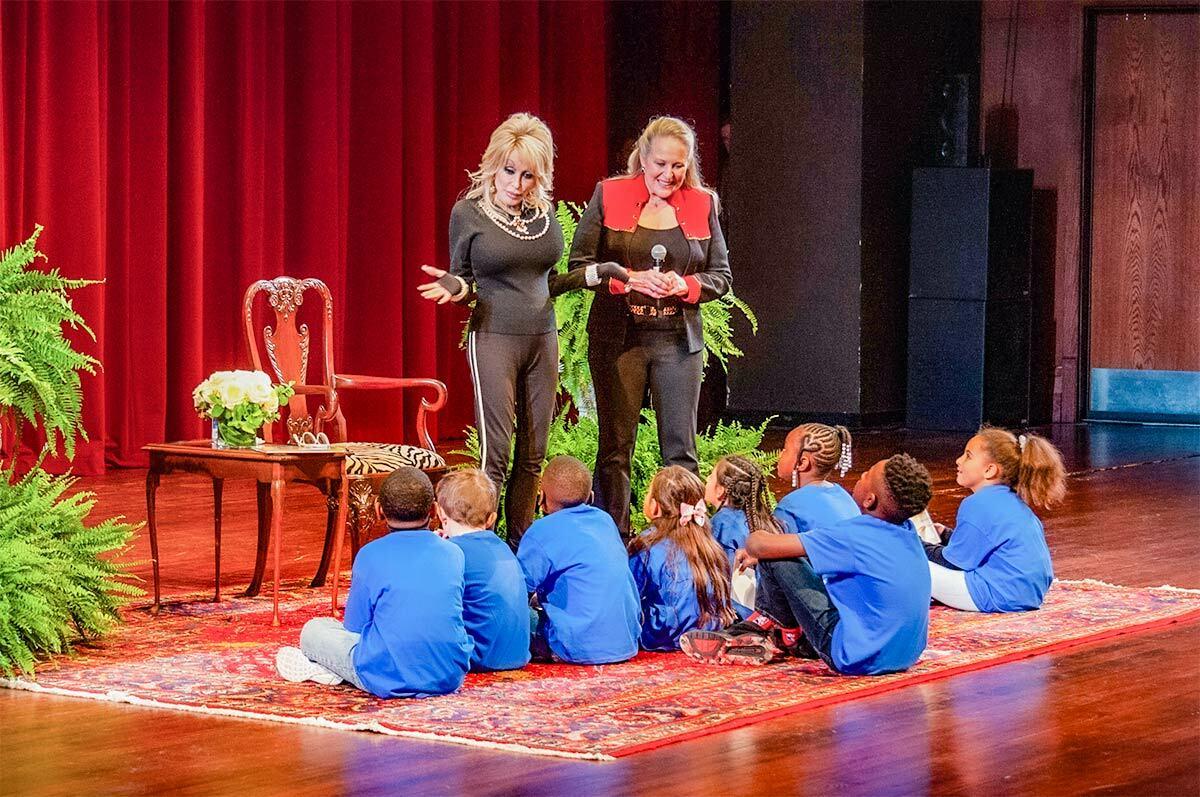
527 136
1029 464
678 129
671 488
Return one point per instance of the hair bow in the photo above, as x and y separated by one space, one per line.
1021 440
689 513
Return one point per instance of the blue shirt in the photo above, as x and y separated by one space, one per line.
877 576
1000 543
406 600
575 562
495 603
668 596
815 506
730 529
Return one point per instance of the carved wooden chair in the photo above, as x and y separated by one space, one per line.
286 345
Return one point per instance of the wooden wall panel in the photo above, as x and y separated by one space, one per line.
1145 243
1041 127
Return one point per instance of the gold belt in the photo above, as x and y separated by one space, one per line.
650 311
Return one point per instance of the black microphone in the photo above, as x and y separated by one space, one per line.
659 253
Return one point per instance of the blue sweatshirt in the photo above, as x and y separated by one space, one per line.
406 600
877 576
814 506
1000 542
574 561
495 603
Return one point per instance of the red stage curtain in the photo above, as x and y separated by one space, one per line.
181 151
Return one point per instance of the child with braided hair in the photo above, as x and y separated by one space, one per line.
681 573
996 558
738 488
853 594
810 454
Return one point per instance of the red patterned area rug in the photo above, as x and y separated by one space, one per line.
219 659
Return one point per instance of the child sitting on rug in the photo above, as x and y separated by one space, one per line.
851 594
810 454
495 604
738 488
576 567
681 572
403 633
996 558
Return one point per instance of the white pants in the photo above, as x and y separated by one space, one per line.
950 588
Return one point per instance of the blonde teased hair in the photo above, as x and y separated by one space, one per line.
678 129
527 136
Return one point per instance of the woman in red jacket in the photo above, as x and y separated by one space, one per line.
659 222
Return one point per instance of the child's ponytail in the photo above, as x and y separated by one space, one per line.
845 457
1041 479
1029 464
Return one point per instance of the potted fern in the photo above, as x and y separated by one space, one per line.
58 579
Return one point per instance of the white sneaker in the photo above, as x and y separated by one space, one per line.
293 665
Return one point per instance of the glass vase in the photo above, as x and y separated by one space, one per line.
228 437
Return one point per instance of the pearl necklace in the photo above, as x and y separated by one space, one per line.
516 226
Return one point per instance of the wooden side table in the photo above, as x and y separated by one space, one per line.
271 466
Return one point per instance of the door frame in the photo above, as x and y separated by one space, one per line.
1091 16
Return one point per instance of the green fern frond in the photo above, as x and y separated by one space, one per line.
39 368
59 578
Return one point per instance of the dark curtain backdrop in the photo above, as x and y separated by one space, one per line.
181 151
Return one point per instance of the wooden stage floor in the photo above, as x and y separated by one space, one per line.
1120 717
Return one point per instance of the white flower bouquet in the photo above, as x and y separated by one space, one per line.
239 403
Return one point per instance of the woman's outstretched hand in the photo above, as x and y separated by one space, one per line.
435 291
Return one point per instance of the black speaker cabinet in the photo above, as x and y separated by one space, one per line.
969 308
950 129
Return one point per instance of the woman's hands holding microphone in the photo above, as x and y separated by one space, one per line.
657 284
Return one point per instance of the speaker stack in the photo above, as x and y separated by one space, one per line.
969 309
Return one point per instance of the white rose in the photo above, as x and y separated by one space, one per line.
260 392
231 394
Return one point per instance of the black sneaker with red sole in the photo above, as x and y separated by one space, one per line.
727 647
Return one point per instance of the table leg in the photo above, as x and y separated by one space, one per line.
218 485
329 490
152 478
340 533
264 538
277 533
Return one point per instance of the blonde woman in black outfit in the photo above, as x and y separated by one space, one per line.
504 242
659 222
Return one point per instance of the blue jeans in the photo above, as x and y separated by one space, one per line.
328 643
792 594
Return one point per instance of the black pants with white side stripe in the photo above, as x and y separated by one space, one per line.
516 383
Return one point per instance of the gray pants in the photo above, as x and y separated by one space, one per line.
662 361
327 642
516 382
